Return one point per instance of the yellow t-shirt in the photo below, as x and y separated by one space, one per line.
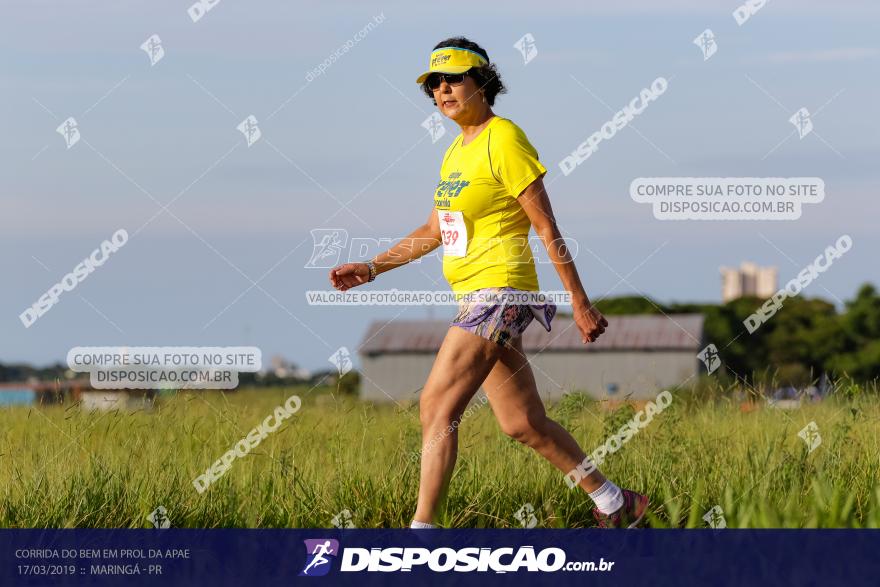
484 230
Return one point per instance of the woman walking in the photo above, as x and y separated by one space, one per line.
491 193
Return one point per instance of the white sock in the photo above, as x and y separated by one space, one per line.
608 498
421 525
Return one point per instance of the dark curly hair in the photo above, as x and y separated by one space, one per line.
487 77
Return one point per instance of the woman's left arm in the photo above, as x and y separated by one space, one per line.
536 203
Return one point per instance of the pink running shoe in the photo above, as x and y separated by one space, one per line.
628 516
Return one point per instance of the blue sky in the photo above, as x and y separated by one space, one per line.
169 131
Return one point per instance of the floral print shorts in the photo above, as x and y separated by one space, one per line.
503 318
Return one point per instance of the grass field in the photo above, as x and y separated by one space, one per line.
61 467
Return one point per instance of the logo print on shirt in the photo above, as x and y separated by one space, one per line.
450 188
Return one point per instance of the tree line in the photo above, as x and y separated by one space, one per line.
805 338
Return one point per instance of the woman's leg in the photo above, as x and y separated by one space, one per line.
461 365
516 404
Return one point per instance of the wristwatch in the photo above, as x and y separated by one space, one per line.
372 267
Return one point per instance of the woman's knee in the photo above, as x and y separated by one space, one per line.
526 428
436 415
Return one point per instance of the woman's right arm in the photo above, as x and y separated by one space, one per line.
418 243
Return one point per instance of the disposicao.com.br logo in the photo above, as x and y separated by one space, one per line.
317 553
441 560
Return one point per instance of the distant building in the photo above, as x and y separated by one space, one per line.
75 391
284 369
748 280
105 400
637 357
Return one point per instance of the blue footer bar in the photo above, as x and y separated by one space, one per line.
237 557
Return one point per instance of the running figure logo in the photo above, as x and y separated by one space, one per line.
526 516
706 43
327 244
250 130
153 48
810 435
317 551
802 122
70 131
159 518
527 48
342 360
715 518
710 358
434 125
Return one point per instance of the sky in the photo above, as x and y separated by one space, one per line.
220 232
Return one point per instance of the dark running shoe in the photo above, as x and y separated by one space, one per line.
628 516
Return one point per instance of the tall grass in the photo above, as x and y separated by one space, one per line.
62 467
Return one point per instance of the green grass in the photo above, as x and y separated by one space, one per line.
61 467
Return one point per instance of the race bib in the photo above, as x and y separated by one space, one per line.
453 233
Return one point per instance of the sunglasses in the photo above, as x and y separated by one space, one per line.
453 79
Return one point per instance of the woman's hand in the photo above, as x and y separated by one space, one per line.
349 275
589 321
536 203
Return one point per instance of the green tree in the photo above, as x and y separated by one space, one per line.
805 332
629 305
859 356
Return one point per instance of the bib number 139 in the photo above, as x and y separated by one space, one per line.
453 233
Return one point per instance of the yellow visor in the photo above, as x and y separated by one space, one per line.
452 60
